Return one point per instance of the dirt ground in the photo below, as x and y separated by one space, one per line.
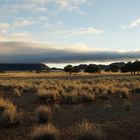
116 123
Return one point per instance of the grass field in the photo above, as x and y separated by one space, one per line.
53 106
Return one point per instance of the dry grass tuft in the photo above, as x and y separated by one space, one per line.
45 132
43 114
127 105
46 96
122 92
88 97
8 113
56 107
70 98
87 131
17 93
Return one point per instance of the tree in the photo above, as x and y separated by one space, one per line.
114 68
68 68
128 68
136 67
92 68
75 69
132 67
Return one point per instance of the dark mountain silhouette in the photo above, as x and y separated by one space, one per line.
118 64
23 67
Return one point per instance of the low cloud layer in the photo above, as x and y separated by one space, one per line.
25 52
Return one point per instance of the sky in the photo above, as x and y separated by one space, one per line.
60 32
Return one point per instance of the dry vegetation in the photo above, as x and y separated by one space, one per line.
43 114
87 131
108 101
8 113
45 132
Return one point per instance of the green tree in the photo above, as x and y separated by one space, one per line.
68 69
92 68
114 68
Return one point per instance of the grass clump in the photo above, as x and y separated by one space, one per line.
17 93
70 98
8 113
123 92
87 131
43 114
45 132
127 105
46 96
77 108
56 107
88 97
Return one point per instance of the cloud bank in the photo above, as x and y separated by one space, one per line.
27 52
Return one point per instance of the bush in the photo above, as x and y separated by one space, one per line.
87 131
45 132
8 113
43 114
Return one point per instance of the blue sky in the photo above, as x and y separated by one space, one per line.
69 26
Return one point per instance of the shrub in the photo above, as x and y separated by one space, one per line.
45 132
46 96
43 114
87 131
8 113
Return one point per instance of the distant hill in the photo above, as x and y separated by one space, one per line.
23 67
119 64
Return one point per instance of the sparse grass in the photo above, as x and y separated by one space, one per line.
43 114
107 106
75 92
87 131
77 108
45 132
103 97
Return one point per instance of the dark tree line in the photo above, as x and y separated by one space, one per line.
134 67
92 68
